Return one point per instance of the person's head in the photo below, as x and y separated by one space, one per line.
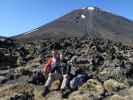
61 56
55 53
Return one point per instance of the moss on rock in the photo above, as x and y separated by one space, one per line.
112 85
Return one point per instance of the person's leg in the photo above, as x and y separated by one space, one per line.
64 86
48 83
64 82
73 84
49 80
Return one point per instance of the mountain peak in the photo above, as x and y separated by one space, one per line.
89 21
91 8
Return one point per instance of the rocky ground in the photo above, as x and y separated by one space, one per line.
108 64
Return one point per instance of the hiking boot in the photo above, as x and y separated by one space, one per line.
65 93
62 90
45 92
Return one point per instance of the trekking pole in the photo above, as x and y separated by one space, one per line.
9 73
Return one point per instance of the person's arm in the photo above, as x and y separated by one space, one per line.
47 67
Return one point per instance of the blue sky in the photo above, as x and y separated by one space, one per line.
18 16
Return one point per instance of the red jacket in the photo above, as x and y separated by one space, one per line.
47 67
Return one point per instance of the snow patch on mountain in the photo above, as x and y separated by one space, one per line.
31 31
83 16
91 8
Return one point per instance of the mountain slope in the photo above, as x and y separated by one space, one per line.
2 37
91 21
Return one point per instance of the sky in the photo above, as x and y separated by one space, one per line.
19 16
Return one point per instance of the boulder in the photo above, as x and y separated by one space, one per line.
117 97
125 94
37 78
111 72
130 92
78 96
93 86
13 89
4 72
91 90
55 85
55 95
23 96
3 79
112 85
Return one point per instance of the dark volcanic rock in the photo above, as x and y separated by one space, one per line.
23 96
107 64
3 79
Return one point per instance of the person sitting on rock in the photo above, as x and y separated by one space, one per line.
78 78
56 68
